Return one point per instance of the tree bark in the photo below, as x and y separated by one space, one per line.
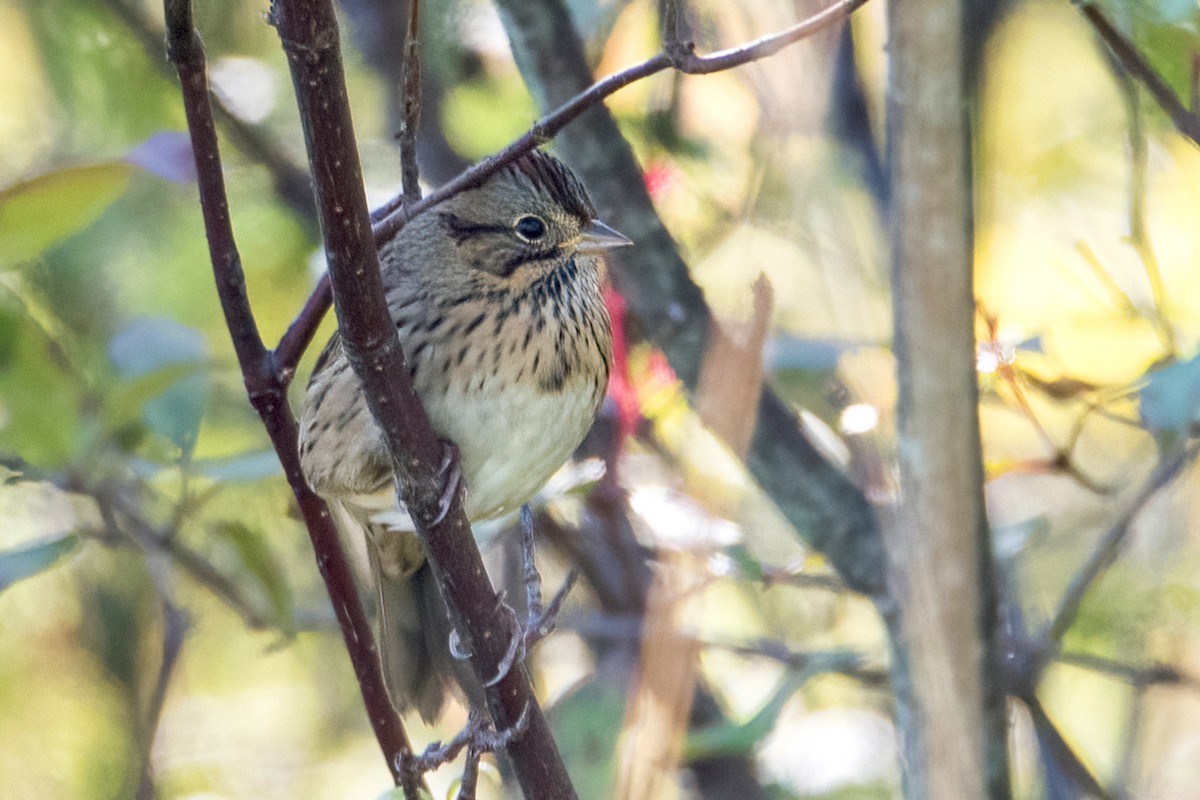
952 702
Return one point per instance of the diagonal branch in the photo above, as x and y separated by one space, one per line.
395 214
309 34
267 392
825 507
1109 547
1186 122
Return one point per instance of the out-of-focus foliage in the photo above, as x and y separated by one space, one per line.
135 480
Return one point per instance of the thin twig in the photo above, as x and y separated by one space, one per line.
196 566
1109 547
300 333
1061 755
470 777
1131 59
1139 236
395 214
175 628
775 576
1156 675
411 105
809 663
268 394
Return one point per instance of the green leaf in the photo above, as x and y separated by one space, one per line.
39 399
25 562
38 213
746 563
261 565
586 724
730 738
153 345
123 405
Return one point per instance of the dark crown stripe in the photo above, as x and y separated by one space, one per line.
557 180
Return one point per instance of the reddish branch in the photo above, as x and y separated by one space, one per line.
485 624
267 387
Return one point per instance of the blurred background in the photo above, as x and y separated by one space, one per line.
163 630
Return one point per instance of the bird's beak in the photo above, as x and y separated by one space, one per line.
598 237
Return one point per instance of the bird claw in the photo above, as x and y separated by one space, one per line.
542 623
450 473
477 737
515 652
487 740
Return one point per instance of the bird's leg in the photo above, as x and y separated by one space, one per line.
542 625
533 580
450 473
541 620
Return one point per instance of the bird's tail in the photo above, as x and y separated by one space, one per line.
412 626
413 637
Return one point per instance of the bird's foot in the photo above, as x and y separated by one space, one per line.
541 624
478 737
541 620
450 474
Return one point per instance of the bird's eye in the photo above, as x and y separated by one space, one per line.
530 228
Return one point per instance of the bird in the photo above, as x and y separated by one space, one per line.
496 294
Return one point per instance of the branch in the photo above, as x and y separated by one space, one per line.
175 629
953 715
300 333
825 507
1186 122
1137 676
1074 779
309 34
290 183
268 393
1109 547
809 664
392 216
411 105
395 214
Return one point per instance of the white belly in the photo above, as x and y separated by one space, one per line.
511 442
